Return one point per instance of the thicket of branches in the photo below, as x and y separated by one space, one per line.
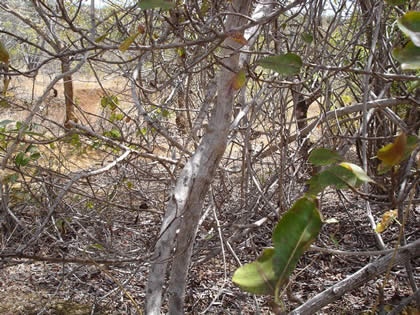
176 145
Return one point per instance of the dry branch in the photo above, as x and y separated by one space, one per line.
384 103
367 273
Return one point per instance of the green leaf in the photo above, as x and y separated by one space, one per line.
336 175
307 38
409 23
18 159
181 52
165 113
30 148
35 156
408 56
127 43
101 38
97 246
296 230
257 277
21 160
4 103
154 4
109 101
287 64
396 2
322 157
204 7
238 80
4 54
115 133
357 171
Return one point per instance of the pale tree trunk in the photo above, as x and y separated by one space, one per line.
184 208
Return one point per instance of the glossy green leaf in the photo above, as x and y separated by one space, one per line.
337 176
287 64
156 4
296 230
408 56
409 23
257 277
322 156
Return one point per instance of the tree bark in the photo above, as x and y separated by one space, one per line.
68 92
184 208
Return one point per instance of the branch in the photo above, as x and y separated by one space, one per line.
367 273
22 258
383 103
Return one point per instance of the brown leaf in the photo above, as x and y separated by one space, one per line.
237 37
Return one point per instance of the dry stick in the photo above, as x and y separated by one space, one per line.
18 259
66 188
404 302
221 238
402 239
367 273
119 285
364 132
150 156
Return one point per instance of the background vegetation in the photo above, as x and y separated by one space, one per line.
149 149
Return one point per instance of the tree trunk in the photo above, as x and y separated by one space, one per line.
184 208
68 92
